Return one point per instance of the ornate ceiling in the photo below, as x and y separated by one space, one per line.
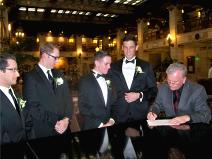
89 17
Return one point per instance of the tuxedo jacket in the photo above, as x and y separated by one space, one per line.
91 103
12 124
142 82
46 105
193 102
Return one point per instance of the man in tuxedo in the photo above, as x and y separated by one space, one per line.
181 99
47 94
96 100
95 94
11 117
135 84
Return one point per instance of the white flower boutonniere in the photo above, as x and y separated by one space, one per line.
138 70
21 103
108 82
58 81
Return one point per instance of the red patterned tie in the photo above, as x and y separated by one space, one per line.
176 102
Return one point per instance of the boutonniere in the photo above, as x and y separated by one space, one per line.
58 81
138 70
108 82
21 102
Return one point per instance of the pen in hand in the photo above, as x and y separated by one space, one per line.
151 116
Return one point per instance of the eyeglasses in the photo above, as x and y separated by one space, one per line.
172 82
55 57
12 69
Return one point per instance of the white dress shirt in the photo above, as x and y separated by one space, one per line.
103 85
5 90
128 70
44 69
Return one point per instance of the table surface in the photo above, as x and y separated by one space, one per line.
161 142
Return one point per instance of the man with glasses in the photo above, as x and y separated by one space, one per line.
182 100
12 125
48 97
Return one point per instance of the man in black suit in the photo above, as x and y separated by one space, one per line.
12 123
135 86
95 94
95 102
47 94
11 117
48 103
135 83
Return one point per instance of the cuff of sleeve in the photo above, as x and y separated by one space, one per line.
141 96
100 125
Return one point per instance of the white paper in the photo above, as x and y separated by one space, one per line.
159 122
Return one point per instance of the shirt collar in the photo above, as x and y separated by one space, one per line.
129 59
5 89
96 72
44 69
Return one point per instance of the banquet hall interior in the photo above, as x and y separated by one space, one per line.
166 30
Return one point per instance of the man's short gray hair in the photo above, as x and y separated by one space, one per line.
176 66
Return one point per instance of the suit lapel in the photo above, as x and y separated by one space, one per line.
121 75
98 88
136 75
109 96
42 75
184 95
7 102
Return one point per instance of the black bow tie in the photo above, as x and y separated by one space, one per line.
99 75
132 61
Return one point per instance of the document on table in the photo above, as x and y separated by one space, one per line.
159 122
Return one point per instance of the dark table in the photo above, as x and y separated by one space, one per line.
164 142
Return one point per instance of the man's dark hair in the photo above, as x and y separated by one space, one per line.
130 37
3 60
99 55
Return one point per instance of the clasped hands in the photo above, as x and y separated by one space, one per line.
131 96
109 123
62 125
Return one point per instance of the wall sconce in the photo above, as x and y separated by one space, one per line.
169 40
79 55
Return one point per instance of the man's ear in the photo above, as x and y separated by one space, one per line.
184 80
136 48
96 62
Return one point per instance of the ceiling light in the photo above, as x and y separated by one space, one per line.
40 10
80 13
67 12
53 11
31 9
60 11
113 15
22 8
88 13
116 1
98 14
74 12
